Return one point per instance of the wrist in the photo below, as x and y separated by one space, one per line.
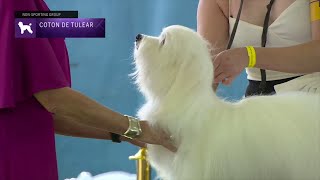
122 125
116 138
127 129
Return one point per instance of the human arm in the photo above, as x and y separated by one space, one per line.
213 24
72 128
70 106
302 58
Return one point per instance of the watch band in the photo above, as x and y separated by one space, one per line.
134 129
115 138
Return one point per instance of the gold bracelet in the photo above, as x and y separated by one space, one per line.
134 129
315 10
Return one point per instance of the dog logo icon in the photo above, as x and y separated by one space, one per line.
23 28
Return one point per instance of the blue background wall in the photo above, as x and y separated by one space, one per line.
100 69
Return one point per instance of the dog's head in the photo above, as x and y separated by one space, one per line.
20 24
178 60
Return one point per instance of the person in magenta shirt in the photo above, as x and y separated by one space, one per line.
37 101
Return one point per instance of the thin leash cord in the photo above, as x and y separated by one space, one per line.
263 83
234 30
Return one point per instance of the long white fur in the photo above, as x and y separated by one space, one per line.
265 137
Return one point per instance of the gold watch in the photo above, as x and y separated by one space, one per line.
134 129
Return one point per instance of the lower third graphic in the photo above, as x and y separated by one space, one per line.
59 27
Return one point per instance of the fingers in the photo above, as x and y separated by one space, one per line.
217 72
225 69
216 63
224 79
167 142
228 81
220 77
169 145
154 135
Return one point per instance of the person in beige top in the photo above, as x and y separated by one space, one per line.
293 44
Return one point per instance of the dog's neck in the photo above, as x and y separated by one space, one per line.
183 97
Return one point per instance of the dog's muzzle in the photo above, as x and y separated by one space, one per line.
139 37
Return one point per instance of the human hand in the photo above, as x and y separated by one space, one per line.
134 142
151 135
229 64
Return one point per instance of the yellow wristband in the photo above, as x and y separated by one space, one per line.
315 10
252 56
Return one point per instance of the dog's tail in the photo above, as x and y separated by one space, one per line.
30 24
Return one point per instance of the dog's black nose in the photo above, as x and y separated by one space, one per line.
139 37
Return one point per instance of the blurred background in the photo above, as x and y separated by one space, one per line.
100 69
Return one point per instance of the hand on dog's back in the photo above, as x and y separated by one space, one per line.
152 135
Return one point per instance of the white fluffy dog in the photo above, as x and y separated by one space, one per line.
266 137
